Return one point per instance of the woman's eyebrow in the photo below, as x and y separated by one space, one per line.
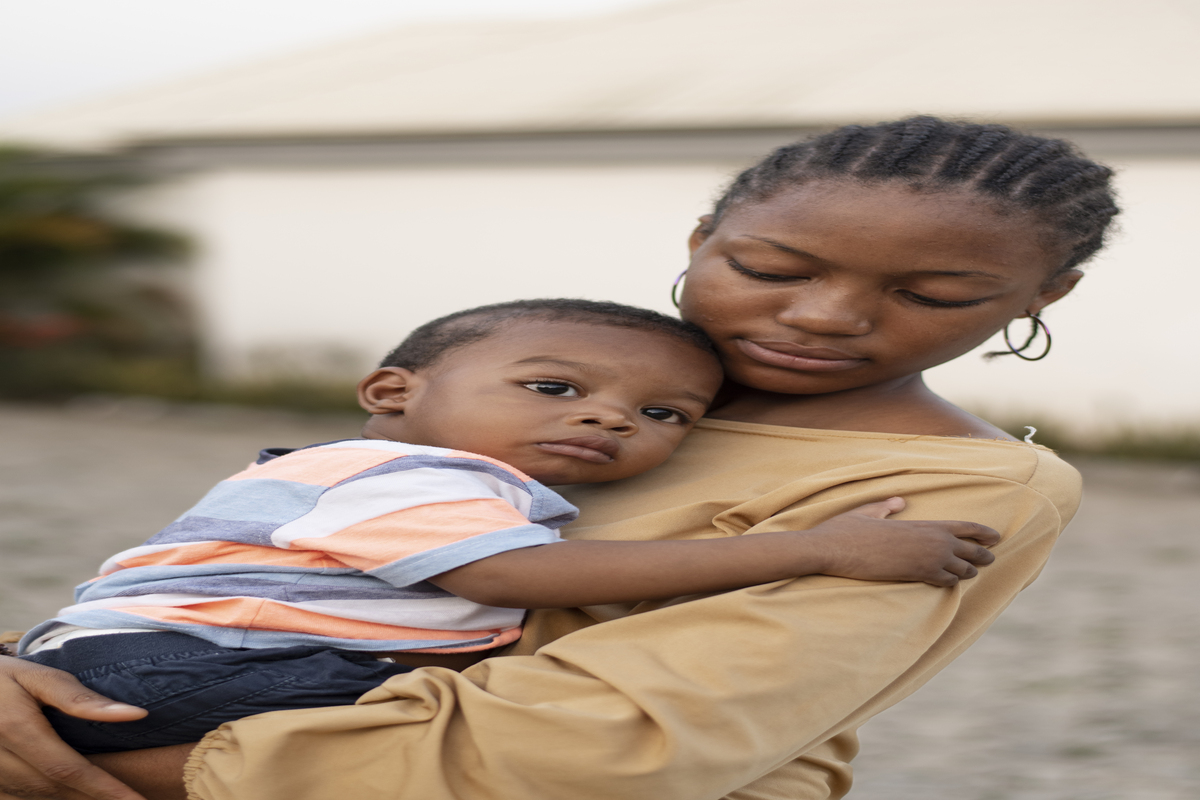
796 251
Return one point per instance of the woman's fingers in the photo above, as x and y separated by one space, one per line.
977 554
973 530
46 767
20 780
880 510
52 687
35 762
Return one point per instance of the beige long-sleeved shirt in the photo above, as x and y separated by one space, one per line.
752 695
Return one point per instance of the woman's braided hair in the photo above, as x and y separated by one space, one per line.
1068 194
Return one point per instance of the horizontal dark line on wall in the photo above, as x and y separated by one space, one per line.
730 146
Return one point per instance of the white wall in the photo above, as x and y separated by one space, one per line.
354 259
328 269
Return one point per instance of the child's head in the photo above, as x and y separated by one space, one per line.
865 255
567 391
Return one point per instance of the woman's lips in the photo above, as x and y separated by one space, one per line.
596 449
798 357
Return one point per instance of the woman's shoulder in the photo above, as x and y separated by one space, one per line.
760 447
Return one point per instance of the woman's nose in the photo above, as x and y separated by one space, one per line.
827 310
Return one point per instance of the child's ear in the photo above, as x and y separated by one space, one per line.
388 390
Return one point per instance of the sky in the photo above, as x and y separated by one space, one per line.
58 51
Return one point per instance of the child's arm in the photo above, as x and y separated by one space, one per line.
858 544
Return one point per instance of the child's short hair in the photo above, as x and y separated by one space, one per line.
435 339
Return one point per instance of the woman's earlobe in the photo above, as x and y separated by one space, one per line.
387 390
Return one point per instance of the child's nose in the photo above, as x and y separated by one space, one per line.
611 418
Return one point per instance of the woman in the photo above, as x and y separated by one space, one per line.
829 276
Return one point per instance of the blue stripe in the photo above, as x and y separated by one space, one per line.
257 500
403 462
195 528
133 577
237 637
422 566
549 507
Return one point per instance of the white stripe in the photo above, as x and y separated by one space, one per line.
388 446
59 635
436 613
368 498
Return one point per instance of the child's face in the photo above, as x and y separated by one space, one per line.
563 402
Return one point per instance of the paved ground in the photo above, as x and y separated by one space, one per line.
1087 689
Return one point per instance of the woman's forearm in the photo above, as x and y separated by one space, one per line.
156 774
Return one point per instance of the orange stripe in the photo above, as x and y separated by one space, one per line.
318 467
233 553
403 533
264 615
505 637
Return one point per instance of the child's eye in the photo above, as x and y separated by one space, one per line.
666 415
552 388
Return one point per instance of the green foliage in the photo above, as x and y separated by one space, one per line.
83 293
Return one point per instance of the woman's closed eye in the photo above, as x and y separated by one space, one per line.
553 388
762 276
663 414
933 301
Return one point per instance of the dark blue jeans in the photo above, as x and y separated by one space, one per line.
191 686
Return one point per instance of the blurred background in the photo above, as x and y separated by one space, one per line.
211 205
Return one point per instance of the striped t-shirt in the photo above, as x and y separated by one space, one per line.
329 545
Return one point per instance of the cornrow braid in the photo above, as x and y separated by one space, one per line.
1069 195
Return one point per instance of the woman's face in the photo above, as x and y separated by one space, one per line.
834 286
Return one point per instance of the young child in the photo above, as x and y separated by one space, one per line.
315 574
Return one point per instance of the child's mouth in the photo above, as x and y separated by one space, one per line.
596 449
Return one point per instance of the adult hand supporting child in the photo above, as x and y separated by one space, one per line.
34 762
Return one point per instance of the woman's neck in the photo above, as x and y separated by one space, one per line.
905 405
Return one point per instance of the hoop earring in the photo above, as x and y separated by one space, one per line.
675 289
1035 325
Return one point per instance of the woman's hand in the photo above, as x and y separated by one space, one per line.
34 762
863 544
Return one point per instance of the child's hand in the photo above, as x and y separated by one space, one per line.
864 544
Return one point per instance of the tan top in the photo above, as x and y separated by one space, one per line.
760 688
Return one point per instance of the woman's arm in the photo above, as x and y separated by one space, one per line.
693 700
